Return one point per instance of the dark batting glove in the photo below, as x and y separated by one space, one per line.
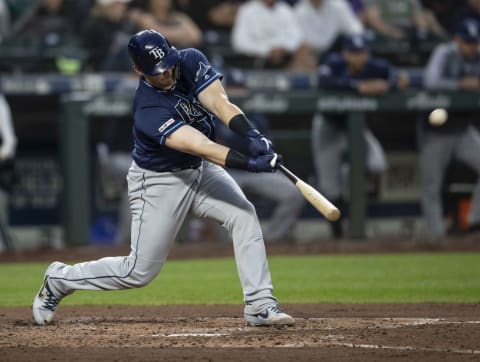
259 144
264 163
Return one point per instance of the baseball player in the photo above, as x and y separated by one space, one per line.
352 70
452 66
177 169
8 145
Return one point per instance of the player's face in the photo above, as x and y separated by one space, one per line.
356 60
467 49
165 80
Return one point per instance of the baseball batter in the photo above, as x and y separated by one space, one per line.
177 169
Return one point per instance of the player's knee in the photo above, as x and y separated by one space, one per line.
242 216
143 275
248 210
377 165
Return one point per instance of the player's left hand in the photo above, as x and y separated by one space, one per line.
265 163
259 144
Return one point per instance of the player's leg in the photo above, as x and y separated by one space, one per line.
5 238
277 188
376 159
435 152
154 228
328 145
468 151
221 199
120 163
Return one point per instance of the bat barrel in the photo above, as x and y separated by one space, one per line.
320 202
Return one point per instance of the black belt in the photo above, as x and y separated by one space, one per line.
191 166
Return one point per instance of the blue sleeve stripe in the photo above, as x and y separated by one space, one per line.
207 83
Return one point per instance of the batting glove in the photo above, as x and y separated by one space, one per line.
259 144
264 163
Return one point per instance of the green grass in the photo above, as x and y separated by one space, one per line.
297 279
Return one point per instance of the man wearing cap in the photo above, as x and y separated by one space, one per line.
453 66
353 70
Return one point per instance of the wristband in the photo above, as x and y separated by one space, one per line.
240 124
235 159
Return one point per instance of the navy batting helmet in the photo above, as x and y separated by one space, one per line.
151 52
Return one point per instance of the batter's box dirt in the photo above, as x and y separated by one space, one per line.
340 332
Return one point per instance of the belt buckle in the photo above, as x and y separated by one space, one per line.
189 167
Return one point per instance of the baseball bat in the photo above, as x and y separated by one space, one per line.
315 198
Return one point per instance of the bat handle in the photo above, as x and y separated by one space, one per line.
288 173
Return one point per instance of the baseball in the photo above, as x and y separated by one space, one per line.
438 117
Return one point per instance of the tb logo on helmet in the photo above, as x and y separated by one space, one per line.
157 52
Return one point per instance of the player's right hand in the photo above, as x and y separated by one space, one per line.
264 163
259 144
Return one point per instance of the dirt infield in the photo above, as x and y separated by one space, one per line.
323 332
426 332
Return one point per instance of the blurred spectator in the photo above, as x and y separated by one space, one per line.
267 30
7 153
359 10
353 70
177 26
105 34
401 18
470 10
81 9
453 66
5 25
18 8
212 14
323 21
274 187
48 23
45 37
445 11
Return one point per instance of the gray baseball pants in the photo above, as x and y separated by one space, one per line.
328 145
160 202
275 187
436 151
